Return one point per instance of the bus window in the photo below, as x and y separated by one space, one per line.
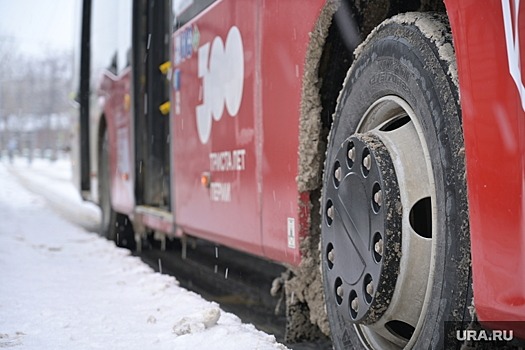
111 47
124 34
104 38
185 10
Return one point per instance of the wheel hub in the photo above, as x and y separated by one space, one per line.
362 229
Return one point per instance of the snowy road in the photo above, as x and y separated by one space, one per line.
62 287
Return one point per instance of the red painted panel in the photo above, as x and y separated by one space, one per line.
494 124
285 28
214 115
255 205
118 118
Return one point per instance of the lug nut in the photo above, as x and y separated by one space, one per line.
354 304
340 292
378 247
370 288
378 197
331 256
367 162
351 154
330 212
337 173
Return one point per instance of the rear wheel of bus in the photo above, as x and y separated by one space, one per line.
395 238
114 226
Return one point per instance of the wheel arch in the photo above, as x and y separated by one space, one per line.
102 126
100 130
340 28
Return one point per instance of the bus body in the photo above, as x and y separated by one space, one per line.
492 97
211 119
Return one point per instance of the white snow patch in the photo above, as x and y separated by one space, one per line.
197 322
53 181
64 288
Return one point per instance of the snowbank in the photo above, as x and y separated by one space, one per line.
64 288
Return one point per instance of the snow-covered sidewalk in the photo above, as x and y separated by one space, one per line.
64 288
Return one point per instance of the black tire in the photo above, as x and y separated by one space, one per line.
114 226
399 109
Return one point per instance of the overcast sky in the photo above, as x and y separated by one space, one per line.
39 26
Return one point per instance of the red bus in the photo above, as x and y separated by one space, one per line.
374 148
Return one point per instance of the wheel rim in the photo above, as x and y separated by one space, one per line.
391 207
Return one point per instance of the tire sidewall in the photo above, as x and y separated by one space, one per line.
401 61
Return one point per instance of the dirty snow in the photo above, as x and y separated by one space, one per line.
310 159
62 287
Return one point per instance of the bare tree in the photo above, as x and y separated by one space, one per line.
8 57
33 96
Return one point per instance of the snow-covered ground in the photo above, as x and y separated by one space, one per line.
62 287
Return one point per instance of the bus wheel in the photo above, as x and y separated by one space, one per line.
395 239
114 226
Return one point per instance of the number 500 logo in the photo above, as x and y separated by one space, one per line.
511 11
221 67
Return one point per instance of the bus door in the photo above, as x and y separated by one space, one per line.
214 113
151 30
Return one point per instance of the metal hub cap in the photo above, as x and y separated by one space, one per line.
362 218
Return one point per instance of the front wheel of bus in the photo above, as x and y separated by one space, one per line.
395 238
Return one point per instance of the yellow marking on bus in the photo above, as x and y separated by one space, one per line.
165 67
165 108
127 102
